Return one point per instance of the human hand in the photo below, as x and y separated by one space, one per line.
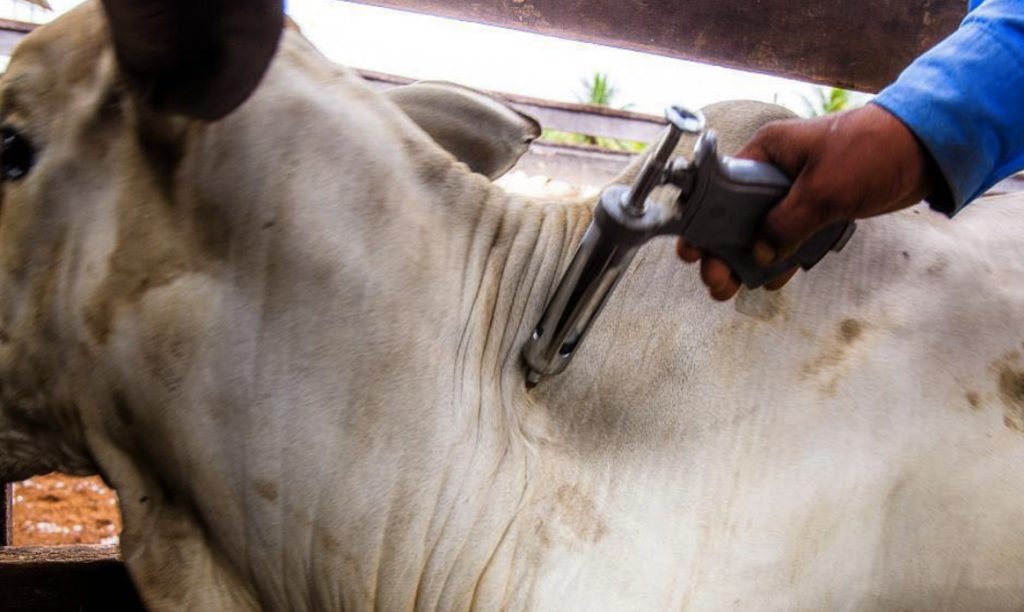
845 166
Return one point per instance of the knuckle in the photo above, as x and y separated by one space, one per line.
821 201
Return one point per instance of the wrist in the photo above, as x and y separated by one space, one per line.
927 181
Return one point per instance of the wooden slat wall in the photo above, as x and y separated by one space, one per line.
860 45
565 116
11 33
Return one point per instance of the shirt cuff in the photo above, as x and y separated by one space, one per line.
961 99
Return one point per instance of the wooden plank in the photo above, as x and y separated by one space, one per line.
566 116
578 165
72 578
592 120
856 45
11 33
9 40
22 27
26 556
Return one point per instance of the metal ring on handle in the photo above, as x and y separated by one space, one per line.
686 120
680 121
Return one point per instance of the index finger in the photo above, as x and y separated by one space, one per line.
687 252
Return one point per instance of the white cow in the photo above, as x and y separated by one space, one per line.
290 339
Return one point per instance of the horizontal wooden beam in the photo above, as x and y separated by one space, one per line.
565 116
58 578
856 45
591 120
578 165
859 45
11 33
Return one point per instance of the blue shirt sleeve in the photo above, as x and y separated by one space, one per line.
964 99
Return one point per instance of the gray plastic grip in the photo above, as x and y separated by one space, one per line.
728 203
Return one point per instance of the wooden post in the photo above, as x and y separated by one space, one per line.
6 499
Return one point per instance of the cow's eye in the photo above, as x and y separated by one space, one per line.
16 154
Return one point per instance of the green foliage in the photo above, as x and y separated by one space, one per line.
837 100
826 101
597 91
572 138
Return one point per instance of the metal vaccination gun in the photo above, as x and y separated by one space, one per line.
720 207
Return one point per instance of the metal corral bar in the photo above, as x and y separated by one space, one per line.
856 45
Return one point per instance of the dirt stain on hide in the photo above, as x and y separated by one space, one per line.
974 400
326 539
814 534
165 230
938 267
157 243
850 330
763 305
265 489
572 518
1011 390
831 363
45 285
132 273
579 513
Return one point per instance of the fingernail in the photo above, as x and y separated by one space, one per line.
763 253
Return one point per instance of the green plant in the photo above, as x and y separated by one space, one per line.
831 100
597 91
572 138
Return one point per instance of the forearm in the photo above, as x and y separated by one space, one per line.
963 100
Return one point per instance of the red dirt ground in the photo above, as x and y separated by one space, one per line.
57 509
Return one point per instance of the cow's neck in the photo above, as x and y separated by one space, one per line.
369 298
516 250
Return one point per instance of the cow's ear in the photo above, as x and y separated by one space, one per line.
199 58
486 134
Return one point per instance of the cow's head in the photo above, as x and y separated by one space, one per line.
94 110
139 164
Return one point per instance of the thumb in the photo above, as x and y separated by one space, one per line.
784 144
756 149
